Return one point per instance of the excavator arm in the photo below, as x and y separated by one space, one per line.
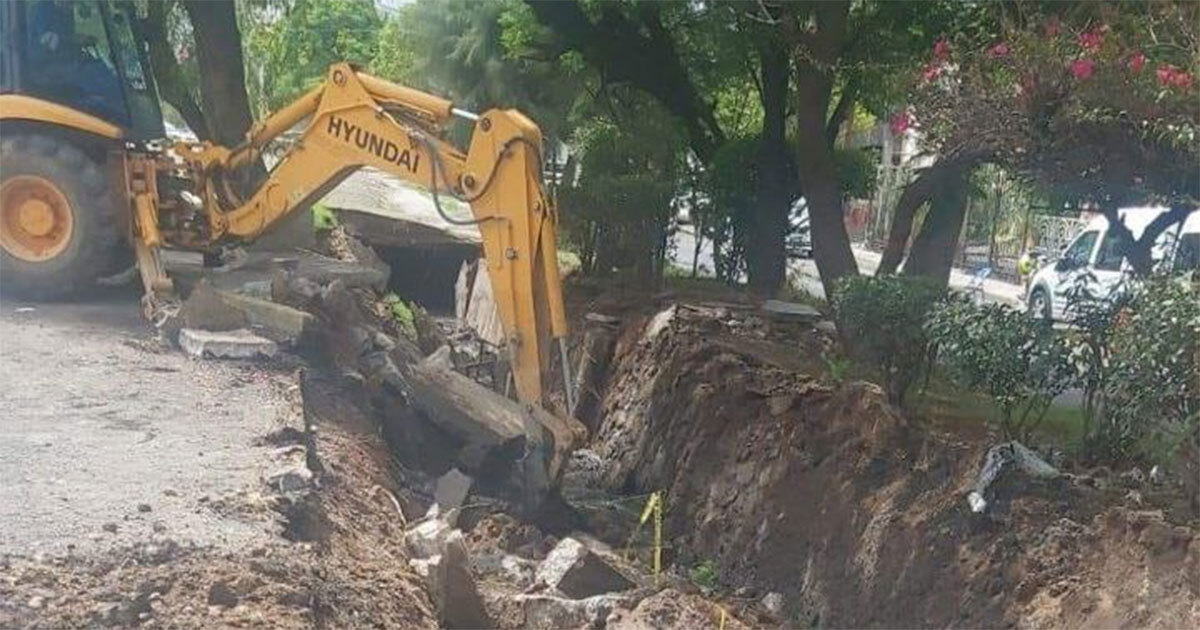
354 120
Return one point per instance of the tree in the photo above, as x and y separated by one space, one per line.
1093 105
174 84
222 74
292 43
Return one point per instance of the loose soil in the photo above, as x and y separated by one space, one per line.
824 493
336 558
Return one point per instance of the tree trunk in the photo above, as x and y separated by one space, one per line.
915 194
222 73
167 73
933 250
819 179
766 259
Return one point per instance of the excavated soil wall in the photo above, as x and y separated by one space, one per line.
825 494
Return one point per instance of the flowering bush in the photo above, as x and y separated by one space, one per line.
1075 106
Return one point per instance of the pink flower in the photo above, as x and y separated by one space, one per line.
1137 61
999 50
931 72
1091 40
1166 74
900 122
1182 80
941 48
1082 68
1053 27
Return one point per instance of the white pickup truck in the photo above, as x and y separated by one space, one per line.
1094 259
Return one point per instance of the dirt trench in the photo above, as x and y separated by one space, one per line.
825 494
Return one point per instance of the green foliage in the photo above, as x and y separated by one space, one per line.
1093 321
881 320
856 170
1017 361
704 575
481 54
289 45
617 212
837 367
403 315
1152 389
323 217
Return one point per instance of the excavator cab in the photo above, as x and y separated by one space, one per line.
84 55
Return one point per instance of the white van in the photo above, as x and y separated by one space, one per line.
1094 258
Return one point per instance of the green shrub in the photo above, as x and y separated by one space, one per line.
1018 362
1152 389
704 575
881 322
403 315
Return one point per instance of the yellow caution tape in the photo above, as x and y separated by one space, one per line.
654 506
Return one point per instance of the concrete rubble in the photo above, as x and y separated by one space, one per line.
228 344
575 571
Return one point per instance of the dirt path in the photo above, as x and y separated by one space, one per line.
135 489
106 440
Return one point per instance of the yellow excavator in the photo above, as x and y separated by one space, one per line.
87 176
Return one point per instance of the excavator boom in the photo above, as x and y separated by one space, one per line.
353 120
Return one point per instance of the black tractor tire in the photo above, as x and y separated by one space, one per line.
96 246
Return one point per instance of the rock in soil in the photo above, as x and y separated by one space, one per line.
575 571
549 612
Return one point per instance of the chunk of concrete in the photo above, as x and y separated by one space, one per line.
791 311
452 588
451 490
548 612
228 344
427 539
577 572
213 309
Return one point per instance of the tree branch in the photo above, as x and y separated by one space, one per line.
171 82
842 111
617 47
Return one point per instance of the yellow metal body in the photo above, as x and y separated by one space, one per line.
21 107
354 120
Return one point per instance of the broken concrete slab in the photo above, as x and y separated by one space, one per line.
427 538
229 344
213 309
791 311
548 612
206 309
276 320
253 275
452 587
451 490
577 572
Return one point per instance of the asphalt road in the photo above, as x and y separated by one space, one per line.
803 273
106 439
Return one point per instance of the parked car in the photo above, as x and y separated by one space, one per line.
1093 260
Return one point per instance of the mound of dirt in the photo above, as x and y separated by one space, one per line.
826 495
